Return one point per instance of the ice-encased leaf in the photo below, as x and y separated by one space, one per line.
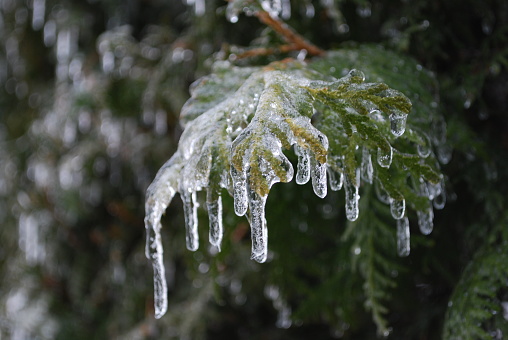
240 121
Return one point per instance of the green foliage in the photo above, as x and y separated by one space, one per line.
477 307
238 122
90 95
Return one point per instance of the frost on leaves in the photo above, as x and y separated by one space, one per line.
239 121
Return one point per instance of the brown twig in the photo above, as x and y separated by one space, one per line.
296 41
262 51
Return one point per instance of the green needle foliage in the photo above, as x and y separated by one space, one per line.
239 122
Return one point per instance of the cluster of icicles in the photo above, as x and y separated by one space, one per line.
189 171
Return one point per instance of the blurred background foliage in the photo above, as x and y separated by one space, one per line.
90 93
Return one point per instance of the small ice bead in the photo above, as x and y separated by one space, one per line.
384 158
303 167
259 232
425 221
352 196
397 208
335 178
239 191
357 73
191 219
398 123
403 246
215 217
367 168
318 176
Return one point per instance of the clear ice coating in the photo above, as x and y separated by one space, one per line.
384 158
403 246
303 167
397 208
351 187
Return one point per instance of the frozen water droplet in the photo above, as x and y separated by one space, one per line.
303 169
357 73
424 149
403 246
335 178
259 232
381 193
232 12
239 191
425 221
215 216
367 168
440 200
444 153
351 187
398 123
384 157
309 10
318 176
190 210
397 208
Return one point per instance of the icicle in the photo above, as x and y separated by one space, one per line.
384 158
403 246
367 168
214 206
39 7
199 7
190 207
335 178
398 123
282 307
351 187
159 273
318 175
286 9
239 191
309 9
259 232
303 168
158 196
425 221
397 208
